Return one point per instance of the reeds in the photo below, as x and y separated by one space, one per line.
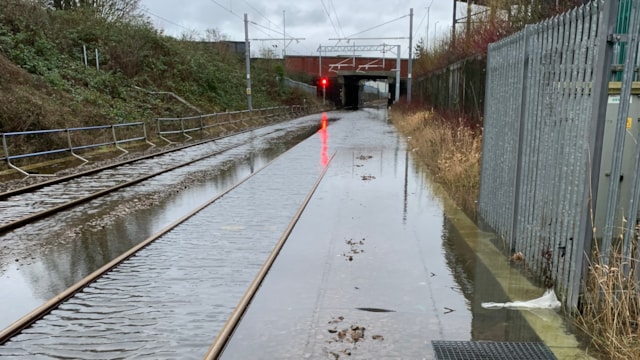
449 149
610 311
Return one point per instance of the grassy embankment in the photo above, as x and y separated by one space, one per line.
610 312
45 85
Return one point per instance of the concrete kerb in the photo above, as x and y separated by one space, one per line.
547 324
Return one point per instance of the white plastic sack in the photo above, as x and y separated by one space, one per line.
546 301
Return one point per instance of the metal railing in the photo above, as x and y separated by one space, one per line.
71 146
189 124
545 103
109 134
309 89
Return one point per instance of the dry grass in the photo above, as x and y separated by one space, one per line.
450 150
610 314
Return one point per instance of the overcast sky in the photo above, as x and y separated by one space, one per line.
315 20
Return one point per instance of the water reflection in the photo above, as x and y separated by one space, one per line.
477 284
324 139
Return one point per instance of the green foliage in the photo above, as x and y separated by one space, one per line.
48 45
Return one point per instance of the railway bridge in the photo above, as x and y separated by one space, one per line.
347 73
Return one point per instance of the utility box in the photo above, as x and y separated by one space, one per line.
628 162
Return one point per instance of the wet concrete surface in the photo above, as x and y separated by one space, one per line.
363 275
40 260
374 268
377 267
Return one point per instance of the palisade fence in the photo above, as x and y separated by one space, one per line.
39 143
546 97
458 86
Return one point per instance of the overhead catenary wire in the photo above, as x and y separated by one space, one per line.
259 12
227 9
167 20
332 6
378 26
329 16
257 26
415 33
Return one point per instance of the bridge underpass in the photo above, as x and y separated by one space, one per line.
352 84
346 73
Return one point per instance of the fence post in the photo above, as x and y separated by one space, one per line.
600 94
71 147
521 127
146 137
6 149
184 132
620 128
115 141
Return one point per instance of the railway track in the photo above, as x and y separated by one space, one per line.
168 296
22 206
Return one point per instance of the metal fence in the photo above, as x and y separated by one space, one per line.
546 97
309 89
115 135
101 136
186 125
457 87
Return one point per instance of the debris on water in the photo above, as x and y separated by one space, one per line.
346 339
375 309
547 301
355 247
517 258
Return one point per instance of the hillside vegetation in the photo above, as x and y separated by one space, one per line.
44 82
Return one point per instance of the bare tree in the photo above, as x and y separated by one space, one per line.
116 9
113 10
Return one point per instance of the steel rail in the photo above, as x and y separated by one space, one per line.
16 328
229 327
61 179
48 212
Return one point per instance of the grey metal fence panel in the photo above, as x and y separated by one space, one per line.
538 108
310 89
502 111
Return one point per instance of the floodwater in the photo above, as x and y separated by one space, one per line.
379 254
40 260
